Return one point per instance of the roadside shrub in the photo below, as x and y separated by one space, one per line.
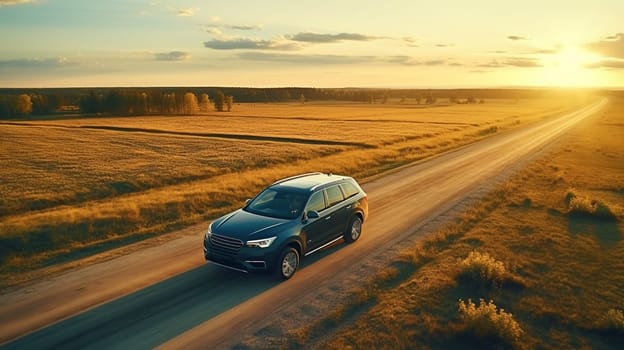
486 322
487 131
483 268
581 205
613 321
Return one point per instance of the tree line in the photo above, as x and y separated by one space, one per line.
136 101
194 100
130 102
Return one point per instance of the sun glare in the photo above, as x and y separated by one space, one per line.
573 58
569 68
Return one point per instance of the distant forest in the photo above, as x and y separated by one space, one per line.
15 103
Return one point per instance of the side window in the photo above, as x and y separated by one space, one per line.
316 202
349 189
334 195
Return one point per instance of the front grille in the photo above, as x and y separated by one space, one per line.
224 244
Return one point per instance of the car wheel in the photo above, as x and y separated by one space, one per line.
287 263
354 231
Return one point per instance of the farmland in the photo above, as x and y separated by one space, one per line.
80 185
535 264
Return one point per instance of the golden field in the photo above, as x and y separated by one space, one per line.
77 186
536 264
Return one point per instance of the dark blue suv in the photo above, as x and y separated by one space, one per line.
291 218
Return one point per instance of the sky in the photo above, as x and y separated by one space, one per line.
335 43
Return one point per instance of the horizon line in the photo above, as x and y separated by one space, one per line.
429 87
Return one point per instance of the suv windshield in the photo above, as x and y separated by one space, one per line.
277 204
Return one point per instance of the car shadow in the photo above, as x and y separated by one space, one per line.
330 249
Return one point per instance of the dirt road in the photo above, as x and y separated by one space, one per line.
167 295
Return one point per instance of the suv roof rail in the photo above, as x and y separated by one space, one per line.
296 177
342 178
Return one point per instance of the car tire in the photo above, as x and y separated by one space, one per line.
354 230
287 264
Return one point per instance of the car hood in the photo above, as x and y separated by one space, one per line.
245 226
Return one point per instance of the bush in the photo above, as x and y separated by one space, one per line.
487 322
487 131
483 268
613 321
584 206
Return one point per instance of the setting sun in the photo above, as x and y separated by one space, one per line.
570 68
572 57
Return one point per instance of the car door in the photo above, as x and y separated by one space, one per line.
316 230
337 211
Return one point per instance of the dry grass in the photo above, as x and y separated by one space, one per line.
83 185
568 266
51 166
488 323
613 321
483 268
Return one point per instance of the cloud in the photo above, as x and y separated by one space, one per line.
16 2
409 41
445 45
245 27
171 56
408 61
434 62
316 38
249 44
522 62
552 51
305 59
187 12
491 64
512 62
35 63
215 31
337 59
516 37
618 64
219 27
221 41
611 46
403 60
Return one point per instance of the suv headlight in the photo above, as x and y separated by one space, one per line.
261 243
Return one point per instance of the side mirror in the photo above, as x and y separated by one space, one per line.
313 214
